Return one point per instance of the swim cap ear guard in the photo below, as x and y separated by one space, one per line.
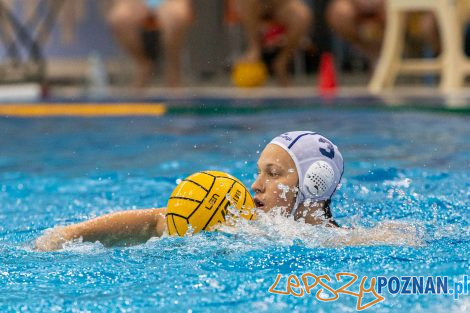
318 179
318 162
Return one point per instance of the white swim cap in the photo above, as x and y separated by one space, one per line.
319 164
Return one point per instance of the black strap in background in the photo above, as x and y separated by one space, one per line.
322 33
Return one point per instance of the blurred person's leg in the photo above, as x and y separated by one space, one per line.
126 19
251 12
359 22
296 16
174 17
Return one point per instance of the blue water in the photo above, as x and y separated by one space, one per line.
408 167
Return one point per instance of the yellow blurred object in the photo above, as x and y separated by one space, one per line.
249 74
206 199
81 109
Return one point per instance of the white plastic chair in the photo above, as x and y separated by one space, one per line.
452 64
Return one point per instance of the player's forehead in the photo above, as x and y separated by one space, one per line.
274 156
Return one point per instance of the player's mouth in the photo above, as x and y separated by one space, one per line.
258 203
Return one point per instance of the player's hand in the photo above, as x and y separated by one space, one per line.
52 239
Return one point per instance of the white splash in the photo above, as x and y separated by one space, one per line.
275 227
284 190
403 182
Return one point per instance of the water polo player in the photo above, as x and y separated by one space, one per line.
298 171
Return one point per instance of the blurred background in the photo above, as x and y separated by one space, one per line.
76 47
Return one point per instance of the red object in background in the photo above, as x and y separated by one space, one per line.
150 22
273 35
327 80
44 91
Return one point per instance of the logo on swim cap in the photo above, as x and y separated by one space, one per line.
318 178
286 137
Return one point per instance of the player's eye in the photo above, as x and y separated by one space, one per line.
273 174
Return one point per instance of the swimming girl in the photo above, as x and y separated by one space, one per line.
298 172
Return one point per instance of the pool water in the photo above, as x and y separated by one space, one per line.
412 168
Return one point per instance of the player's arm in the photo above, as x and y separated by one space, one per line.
124 228
384 233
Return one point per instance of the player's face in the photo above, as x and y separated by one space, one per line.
277 181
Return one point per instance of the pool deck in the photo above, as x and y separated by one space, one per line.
29 100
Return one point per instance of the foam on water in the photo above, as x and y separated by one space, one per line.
275 228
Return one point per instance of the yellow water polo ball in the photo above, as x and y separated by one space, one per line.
249 74
204 200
